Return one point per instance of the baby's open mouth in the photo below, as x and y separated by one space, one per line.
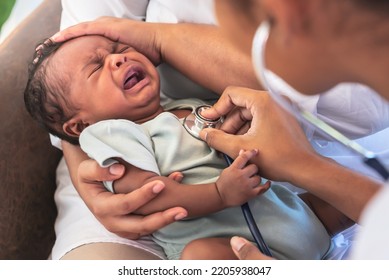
134 76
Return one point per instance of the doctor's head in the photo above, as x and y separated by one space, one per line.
312 44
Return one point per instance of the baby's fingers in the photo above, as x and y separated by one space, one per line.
260 189
243 158
250 171
254 188
254 184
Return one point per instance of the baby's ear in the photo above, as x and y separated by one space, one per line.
74 127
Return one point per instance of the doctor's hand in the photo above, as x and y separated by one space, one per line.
253 120
245 250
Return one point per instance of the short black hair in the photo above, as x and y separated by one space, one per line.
46 92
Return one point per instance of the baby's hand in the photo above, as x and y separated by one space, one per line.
240 182
176 176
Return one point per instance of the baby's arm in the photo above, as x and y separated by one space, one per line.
236 184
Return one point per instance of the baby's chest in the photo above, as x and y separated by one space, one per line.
176 150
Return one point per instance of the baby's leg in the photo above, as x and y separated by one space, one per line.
208 249
108 251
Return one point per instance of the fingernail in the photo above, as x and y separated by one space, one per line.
179 216
241 151
205 136
38 48
55 36
237 243
116 169
158 188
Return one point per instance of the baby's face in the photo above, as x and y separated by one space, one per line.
108 80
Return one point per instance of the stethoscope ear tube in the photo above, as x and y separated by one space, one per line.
252 225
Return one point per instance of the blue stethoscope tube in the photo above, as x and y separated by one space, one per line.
252 225
377 166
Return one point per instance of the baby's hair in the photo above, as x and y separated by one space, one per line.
47 92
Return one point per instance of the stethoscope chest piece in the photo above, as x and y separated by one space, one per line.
195 122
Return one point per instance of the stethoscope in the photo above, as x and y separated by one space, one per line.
194 123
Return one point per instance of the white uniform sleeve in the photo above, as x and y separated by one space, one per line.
354 109
107 140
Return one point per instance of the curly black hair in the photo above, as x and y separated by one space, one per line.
45 95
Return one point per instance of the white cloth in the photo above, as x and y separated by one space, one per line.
74 12
353 109
372 240
173 11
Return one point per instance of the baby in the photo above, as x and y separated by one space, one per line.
105 96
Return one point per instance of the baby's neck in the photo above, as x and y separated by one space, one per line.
180 113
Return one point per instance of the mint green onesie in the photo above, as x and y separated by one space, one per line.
162 145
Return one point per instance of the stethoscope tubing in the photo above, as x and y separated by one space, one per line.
252 225
377 166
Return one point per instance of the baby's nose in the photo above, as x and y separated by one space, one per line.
118 60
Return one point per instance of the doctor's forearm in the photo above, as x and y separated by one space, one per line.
344 189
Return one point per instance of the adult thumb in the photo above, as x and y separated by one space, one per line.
245 250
